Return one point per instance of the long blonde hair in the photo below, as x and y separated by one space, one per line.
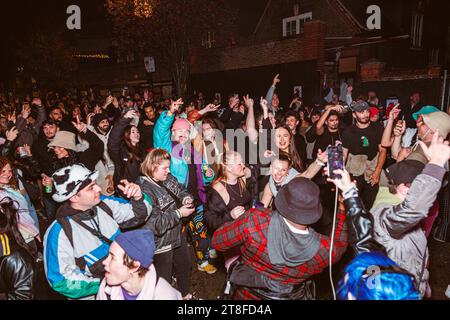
226 158
152 160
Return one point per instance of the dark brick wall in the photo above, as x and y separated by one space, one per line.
308 47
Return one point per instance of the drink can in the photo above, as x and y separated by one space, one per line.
21 152
49 188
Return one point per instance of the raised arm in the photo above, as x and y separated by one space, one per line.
320 126
423 192
271 91
115 137
387 139
162 132
315 167
250 122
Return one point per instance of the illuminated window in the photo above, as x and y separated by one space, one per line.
294 25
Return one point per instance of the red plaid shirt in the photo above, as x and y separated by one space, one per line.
250 232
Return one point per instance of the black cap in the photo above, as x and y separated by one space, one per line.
404 172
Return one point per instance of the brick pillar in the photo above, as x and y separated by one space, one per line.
315 32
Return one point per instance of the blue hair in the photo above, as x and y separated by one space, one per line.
373 276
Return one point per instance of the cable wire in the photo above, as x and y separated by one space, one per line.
332 244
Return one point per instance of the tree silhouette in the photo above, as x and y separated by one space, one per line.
170 28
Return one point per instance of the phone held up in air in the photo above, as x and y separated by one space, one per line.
335 161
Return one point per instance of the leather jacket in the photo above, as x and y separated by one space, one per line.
17 270
360 227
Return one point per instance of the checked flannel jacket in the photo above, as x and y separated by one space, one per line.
250 233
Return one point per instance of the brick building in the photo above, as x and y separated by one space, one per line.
312 42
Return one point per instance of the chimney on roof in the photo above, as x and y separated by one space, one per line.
296 9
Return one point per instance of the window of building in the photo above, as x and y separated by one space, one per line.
130 57
294 25
417 31
208 40
434 57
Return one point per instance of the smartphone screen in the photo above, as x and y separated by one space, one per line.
335 161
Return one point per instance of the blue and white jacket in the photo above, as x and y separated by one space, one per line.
63 274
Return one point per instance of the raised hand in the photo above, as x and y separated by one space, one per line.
80 126
12 117
97 109
211 108
276 80
89 118
12 134
400 129
175 106
394 112
345 183
109 100
338 108
27 149
264 104
438 152
26 110
130 114
249 102
130 190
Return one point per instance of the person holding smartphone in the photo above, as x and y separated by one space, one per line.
172 205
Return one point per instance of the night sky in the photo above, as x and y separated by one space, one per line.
20 19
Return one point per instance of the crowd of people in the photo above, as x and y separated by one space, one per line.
111 198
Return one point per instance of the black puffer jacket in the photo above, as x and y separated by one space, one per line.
164 220
17 271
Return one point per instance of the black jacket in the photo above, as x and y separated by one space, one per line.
17 272
164 221
43 155
124 167
360 227
146 134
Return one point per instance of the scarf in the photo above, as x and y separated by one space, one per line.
286 248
